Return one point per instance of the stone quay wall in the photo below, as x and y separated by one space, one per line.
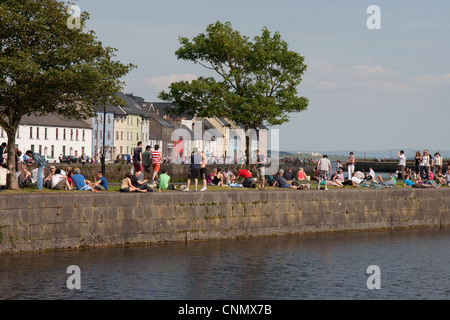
48 221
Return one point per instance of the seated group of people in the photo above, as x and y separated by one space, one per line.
136 182
59 179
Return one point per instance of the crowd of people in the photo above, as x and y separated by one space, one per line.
427 173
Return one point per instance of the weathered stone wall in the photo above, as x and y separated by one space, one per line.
33 222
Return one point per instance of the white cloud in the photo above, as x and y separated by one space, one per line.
356 72
443 79
163 82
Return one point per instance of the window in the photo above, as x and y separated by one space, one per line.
82 150
64 135
71 137
109 135
18 133
137 136
64 150
37 133
31 132
121 150
109 118
128 136
53 151
138 122
76 135
45 134
40 149
117 135
32 148
57 138
84 135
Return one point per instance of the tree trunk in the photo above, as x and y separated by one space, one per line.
12 180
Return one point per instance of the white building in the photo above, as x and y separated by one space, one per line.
52 136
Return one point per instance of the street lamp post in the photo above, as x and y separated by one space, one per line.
103 146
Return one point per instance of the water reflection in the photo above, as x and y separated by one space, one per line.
414 265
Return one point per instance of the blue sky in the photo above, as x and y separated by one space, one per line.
368 89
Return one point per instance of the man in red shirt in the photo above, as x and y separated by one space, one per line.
249 181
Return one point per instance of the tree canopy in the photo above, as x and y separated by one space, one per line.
255 82
47 67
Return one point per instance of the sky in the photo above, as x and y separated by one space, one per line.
368 89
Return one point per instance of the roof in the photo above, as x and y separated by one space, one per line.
131 106
160 109
211 131
160 120
111 109
154 136
54 120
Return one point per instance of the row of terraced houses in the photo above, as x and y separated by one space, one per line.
121 127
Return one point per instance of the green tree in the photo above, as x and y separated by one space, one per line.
47 66
257 80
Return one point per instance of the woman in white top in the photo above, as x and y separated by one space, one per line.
437 163
425 165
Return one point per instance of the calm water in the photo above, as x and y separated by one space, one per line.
413 265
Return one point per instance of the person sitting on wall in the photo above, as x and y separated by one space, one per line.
301 175
59 182
356 181
281 182
140 184
248 180
126 186
391 183
164 181
24 176
81 184
100 183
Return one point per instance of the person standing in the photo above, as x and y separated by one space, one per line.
324 166
194 170
156 162
203 173
425 165
137 157
417 162
83 159
351 165
339 165
2 151
437 163
260 169
42 163
402 164
146 158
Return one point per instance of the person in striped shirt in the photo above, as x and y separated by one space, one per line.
156 162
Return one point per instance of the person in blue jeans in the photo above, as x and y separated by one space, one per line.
38 159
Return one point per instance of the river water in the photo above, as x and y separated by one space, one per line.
413 264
